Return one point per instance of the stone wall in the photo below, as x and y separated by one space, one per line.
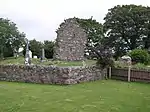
71 41
50 75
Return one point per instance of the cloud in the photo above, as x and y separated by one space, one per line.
39 19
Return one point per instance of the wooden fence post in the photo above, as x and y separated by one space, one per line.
129 73
109 72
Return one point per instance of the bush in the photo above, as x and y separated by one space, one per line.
139 56
49 49
105 62
103 55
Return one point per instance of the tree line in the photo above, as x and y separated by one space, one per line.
125 27
36 48
11 39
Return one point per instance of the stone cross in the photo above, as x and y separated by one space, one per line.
27 55
30 54
43 55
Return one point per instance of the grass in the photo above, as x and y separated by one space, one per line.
20 60
138 66
99 96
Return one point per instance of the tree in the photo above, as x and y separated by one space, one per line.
9 36
49 49
35 47
94 31
126 28
104 55
147 38
8 51
139 56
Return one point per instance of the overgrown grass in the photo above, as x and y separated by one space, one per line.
20 60
138 66
99 96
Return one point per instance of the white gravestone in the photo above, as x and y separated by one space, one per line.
30 54
20 50
35 57
27 56
126 60
83 63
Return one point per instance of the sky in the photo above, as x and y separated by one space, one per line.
39 19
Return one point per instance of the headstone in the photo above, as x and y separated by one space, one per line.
15 52
30 54
20 52
71 41
43 55
83 63
126 60
35 57
27 56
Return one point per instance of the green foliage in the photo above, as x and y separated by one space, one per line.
103 55
49 49
139 56
94 31
119 64
137 66
99 96
140 66
9 36
35 46
8 51
127 27
105 62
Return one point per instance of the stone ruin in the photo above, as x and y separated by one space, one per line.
70 46
71 41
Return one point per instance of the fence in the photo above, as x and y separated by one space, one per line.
129 74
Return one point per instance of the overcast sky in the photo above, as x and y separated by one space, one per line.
39 19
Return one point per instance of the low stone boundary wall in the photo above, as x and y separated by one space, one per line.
135 75
49 74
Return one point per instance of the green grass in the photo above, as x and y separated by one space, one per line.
12 60
20 60
99 96
138 66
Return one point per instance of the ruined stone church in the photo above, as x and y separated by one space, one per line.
71 41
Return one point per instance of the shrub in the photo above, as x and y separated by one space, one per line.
105 62
119 64
139 56
103 55
140 66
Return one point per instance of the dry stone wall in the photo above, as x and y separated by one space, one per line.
71 41
49 74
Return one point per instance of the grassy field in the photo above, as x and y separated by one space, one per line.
20 60
99 96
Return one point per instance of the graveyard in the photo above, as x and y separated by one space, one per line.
68 66
85 69
47 62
